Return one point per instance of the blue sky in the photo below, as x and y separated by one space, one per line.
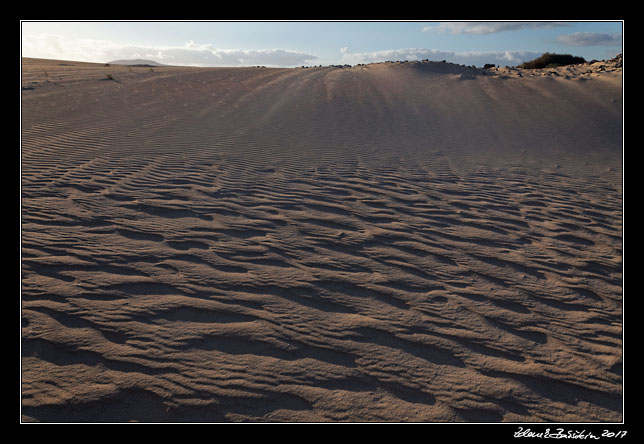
297 43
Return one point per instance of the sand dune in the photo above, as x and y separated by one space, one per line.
391 242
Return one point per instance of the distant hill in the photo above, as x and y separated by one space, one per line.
136 62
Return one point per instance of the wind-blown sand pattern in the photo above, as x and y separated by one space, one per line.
392 242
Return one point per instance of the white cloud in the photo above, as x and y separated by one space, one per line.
591 39
489 27
59 47
476 58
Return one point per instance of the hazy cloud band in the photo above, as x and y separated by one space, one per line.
490 27
476 58
58 47
591 39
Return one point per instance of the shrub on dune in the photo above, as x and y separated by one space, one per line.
548 60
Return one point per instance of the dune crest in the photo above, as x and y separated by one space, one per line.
387 242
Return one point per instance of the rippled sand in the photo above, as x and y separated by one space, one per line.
391 242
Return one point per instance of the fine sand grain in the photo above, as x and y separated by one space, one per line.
391 242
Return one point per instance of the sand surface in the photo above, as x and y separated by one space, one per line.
392 242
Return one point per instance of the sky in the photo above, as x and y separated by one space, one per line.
312 43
